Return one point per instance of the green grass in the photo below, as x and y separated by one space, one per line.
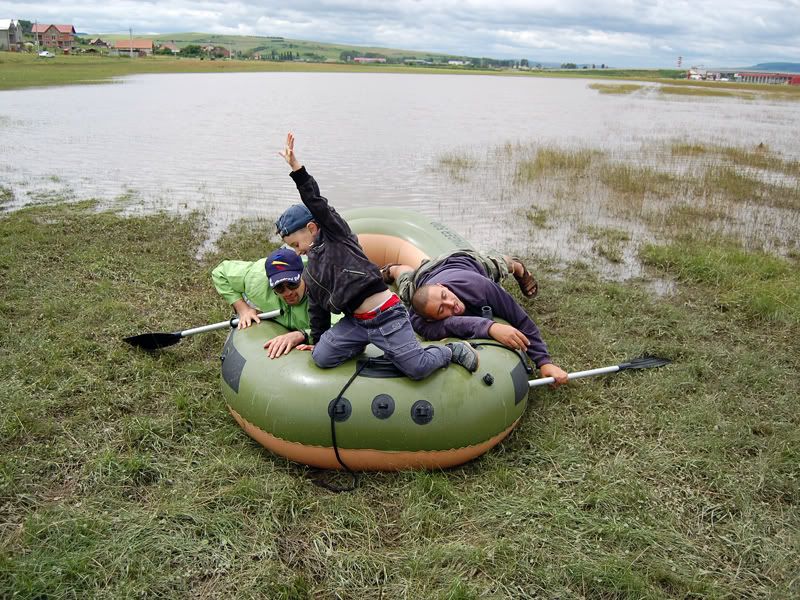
122 475
759 156
621 88
551 160
682 90
26 70
751 284
608 241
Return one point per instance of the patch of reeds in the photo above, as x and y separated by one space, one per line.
6 195
553 160
618 88
759 156
608 241
635 182
457 165
684 90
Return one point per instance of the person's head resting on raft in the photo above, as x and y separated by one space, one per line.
285 273
297 228
435 302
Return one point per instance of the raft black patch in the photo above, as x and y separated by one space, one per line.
383 406
232 364
520 379
342 411
422 412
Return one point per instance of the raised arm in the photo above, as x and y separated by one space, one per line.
324 214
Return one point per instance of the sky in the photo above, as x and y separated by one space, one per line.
618 33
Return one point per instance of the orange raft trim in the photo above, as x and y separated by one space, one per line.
366 459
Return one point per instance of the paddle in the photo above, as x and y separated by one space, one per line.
154 341
644 362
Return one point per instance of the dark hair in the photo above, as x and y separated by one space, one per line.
420 299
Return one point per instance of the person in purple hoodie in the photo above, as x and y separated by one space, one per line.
448 295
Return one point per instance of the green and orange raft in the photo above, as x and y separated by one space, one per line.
383 421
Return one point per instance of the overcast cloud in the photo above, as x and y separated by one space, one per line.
646 33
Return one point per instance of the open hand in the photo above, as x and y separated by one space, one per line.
288 152
283 344
247 316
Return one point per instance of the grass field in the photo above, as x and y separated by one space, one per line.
28 70
122 475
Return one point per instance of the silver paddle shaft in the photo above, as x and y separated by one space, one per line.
576 375
224 324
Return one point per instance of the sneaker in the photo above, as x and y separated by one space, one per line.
464 355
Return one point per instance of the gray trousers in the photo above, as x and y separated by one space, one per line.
390 331
492 262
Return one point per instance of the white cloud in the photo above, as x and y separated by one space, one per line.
620 32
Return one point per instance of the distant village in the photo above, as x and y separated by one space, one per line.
48 39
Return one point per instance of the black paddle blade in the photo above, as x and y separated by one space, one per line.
645 362
153 341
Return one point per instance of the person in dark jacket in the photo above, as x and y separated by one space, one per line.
448 294
340 279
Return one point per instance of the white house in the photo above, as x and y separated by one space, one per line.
10 34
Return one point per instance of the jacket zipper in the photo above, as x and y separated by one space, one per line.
330 294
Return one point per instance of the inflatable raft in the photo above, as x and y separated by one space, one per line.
365 410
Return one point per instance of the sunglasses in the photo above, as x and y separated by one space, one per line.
286 285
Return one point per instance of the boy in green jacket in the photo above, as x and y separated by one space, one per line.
264 285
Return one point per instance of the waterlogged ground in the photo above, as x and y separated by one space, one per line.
600 208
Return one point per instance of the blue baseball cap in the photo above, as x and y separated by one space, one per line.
284 265
292 219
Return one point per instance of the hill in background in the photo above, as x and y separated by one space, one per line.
783 67
307 50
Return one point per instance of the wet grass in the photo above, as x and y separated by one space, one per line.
611 88
122 475
551 160
608 241
685 90
457 165
750 285
759 156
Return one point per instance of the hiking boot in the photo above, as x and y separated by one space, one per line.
464 355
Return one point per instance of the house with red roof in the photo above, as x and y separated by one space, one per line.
54 36
139 47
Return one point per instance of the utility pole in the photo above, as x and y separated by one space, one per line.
130 39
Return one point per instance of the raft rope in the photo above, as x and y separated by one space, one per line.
327 483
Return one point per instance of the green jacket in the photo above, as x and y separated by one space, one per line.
244 280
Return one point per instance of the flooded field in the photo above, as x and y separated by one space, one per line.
537 166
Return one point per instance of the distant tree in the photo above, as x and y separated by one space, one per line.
193 50
347 55
524 63
26 26
593 66
569 66
163 51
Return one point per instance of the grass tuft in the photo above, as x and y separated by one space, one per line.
618 88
